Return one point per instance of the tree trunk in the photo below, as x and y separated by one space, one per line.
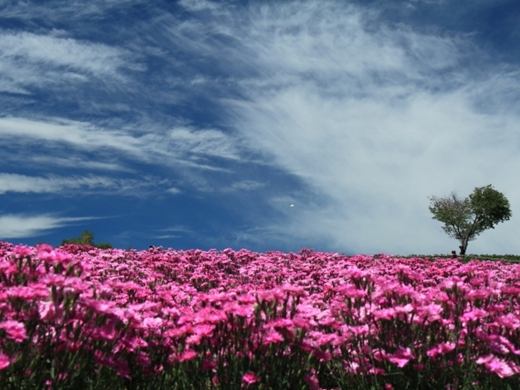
463 247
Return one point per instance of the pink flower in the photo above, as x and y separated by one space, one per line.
380 354
187 355
15 330
242 310
46 310
312 381
496 365
273 337
47 254
440 349
322 356
361 330
350 291
208 365
474 315
498 348
28 293
134 343
53 280
431 312
22 251
401 357
446 347
203 330
250 378
294 290
385 314
152 323
143 359
107 332
4 361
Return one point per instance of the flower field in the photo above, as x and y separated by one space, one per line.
78 317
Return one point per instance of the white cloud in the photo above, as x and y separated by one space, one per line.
75 162
29 59
56 51
178 231
181 146
21 226
173 191
375 119
10 182
57 11
199 5
247 185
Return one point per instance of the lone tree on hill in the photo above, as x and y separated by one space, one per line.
465 219
87 238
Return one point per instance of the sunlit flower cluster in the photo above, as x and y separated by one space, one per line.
313 320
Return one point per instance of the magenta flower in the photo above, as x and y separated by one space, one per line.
143 359
28 293
431 312
385 314
203 330
273 337
135 343
496 365
107 332
294 290
401 357
4 361
48 255
21 251
15 330
208 365
47 310
152 323
441 349
187 355
250 378
239 310
380 354
312 381
446 347
474 315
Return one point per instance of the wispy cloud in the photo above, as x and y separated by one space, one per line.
175 232
173 191
34 60
247 185
199 5
21 226
183 145
368 113
76 162
56 11
374 117
64 185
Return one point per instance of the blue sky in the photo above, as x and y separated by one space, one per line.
267 125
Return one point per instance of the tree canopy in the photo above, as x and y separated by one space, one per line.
465 219
86 238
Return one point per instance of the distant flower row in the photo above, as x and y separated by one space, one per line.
75 315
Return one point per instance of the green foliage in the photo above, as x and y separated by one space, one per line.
86 238
468 257
465 219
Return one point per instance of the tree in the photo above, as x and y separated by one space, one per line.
86 238
465 219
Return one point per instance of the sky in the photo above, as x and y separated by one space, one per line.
265 125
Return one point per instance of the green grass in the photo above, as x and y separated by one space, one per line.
466 258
